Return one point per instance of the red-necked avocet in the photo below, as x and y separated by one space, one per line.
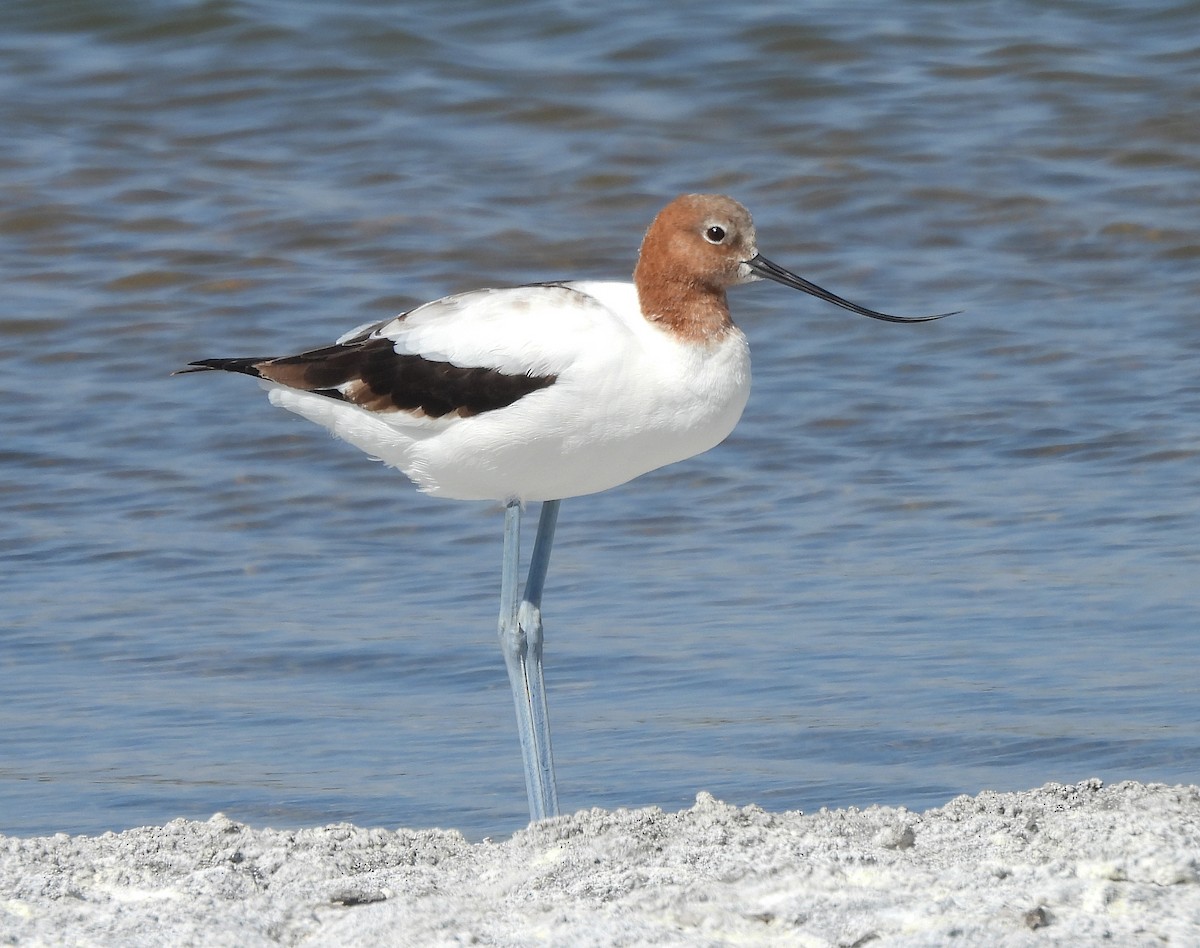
545 392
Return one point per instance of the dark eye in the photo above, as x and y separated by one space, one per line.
715 234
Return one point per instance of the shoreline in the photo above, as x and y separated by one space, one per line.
1059 865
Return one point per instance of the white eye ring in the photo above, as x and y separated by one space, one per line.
714 234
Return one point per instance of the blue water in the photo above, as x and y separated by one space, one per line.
932 559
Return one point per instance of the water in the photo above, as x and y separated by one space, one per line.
932 559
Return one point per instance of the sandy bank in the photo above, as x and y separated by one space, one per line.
1061 865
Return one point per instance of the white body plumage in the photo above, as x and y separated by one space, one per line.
629 395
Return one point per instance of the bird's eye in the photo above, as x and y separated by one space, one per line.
714 234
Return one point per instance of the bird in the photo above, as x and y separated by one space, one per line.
544 392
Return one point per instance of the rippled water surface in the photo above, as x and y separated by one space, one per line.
932 559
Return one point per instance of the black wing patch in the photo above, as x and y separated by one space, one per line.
371 374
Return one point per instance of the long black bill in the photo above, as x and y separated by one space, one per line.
772 271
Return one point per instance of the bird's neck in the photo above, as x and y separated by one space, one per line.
680 305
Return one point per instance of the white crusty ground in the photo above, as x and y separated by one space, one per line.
1062 865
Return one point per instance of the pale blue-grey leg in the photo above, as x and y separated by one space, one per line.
521 642
530 618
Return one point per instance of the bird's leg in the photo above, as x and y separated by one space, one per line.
530 619
521 642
